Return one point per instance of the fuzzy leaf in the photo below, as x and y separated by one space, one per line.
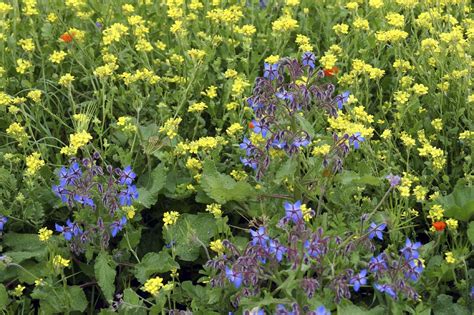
154 263
105 273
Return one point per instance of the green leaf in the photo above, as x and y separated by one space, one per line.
3 297
190 233
348 308
287 170
154 263
445 306
154 182
470 232
460 203
23 246
105 273
133 304
78 299
223 188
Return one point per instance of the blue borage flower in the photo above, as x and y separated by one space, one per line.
410 251
359 279
3 221
270 71
356 140
376 230
117 226
308 59
234 277
394 180
342 99
293 211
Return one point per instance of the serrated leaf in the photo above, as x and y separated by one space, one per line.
286 170
104 269
154 263
223 188
78 299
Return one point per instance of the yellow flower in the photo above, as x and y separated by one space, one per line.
34 95
307 212
420 89
193 164
361 24
143 45
57 56
386 134
321 150
217 246
284 24
452 224
153 285
376 3
215 209
246 30
60 262
230 73
125 124
328 60
196 54
170 128
33 163
239 85
18 132
437 124
407 140
238 175
114 33
44 234
395 19
23 65
420 192
129 211
66 80
170 218
450 258
39 282
272 59
211 92
234 128
27 44
436 213
18 291
197 107
341 29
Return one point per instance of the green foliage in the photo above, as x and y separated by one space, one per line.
104 269
153 263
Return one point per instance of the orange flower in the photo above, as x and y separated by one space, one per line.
439 226
251 126
67 37
330 72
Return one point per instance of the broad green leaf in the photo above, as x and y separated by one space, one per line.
445 306
286 170
153 263
3 297
77 298
104 269
223 188
190 233
23 246
459 204
348 308
133 305
153 183
470 232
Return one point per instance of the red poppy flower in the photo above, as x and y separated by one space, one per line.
67 37
251 125
330 72
439 226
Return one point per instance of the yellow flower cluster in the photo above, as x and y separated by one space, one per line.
234 129
217 246
196 54
344 124
321 150
170 218
436 213
193 164
303 43
307 212
227 16
34 95
129 211
27 44
114 33
57 56
18 291
153 285
450 258
125 124
33 163
197 107
76 141
246 30
66 80
393 36
215 209
60 262
18 132
44 234
238 175
170 128
140 74
23 65
284 24
341 29
239 85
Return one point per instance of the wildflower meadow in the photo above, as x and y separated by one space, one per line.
236 157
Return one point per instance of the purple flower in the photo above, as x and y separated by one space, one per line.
342 99
234 277
321 310
376 230
127 176
61 192
358 280
98 25
117 226
249 162
74 172
385 288
377 263
356 139
284 95
3 220
63 176
270 71
246 145
394 180
410 249
300 142
413 270
293 211
126 196
84 200
259 128
308 59
68 231
277 249
259 237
